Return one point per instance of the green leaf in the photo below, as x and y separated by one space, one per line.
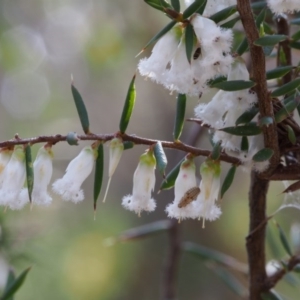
211 82
158 4
295 21
265 121
128 106
189 41
72 139
10 279
268 29
244 130
216 152
14 286
176 5
247 116
286 88
258 5
268 50
194 7
161 33
29 170
228 180
230 23
179 118
243 47
244 144
284 240
296 36
273 243
161 159
234 85
99 164
278 72
293 187
286 110
270 40
263 155
81 110
128 145
170 179
223 14
295 45
202 8
271 295
260 18
291 134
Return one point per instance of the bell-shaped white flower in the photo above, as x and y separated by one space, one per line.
42 169
143 185
185 181
69 186
206 206
14 176
5 155
116 149
284 6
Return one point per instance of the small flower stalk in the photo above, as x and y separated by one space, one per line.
183 206
42 168
116 149
143 185
206 207
69 186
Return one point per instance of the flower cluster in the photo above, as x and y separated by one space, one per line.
284 6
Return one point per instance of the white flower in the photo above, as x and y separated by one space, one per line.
5 155
185 181
116 148
42 169
69 187
14 176
143 184
284 6
210 172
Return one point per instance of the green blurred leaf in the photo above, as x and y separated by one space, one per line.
295 21
291 134
260 18
228 180
230 23
271 295
176 5
243 47
286 110
258 5
216 152
265 121
158 4
194 7
296 36
268 50
128 145
202 8
179 118
29 170
99 164
268 29
270 40
284 240
295 45
273 243
189 41
286 88
263 155
234 85
247 116
223 14
128 106
14 286
161 158
171 177
244 130
244 144
278 72
72 139
211 82
10 279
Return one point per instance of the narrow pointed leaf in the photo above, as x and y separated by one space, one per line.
286 88
223 14
10 279
230 23
202 8
278 72
291 134
243 47
271 295
284 240
270 40
211 82
295 45
179 118
72 138
265 121
260 18
176 5
167 28
247 116
161 159
81 110
244 144
244 130
189 41
263 155
268 29
128 145
11 289
228 180
293 187
287 109
29 170
170 179
128 106
296 36
158 4
234 85
99 164
145 231
216 152
195 6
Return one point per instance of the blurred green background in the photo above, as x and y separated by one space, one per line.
42 44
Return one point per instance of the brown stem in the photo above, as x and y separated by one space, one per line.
256 238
